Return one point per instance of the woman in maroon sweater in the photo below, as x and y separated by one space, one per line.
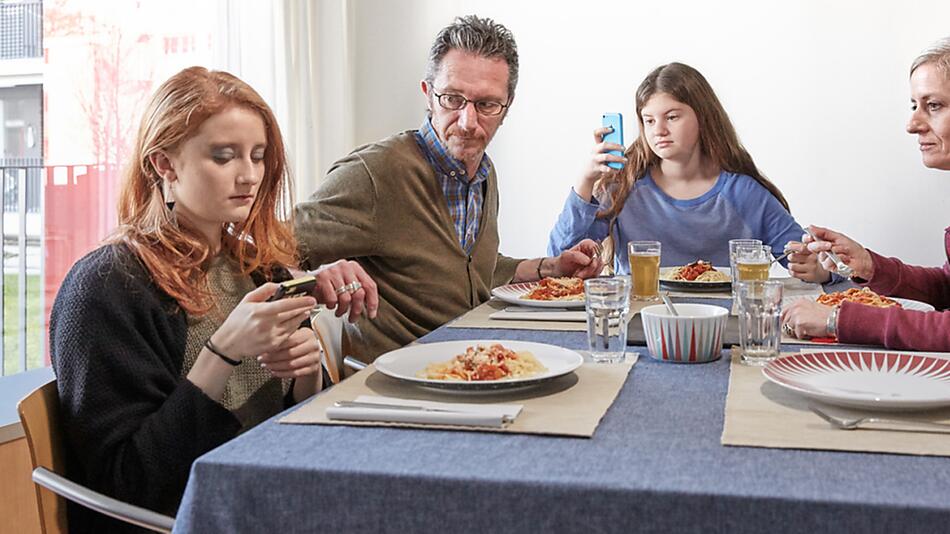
893 328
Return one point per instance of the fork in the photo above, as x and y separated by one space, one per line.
859 422
782 257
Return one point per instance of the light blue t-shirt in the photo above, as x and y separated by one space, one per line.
698 228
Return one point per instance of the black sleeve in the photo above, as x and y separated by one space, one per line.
133 424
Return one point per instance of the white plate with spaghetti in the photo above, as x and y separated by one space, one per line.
409 364
516 293
866 379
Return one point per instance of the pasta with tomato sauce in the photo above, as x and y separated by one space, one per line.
861 296
557 289
698 271
480 363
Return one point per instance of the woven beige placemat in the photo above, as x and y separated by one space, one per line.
762 414
571 405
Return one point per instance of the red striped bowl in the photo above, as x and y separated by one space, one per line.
695 336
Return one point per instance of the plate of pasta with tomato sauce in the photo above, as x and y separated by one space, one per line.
696 276
549 292
868 297
478 365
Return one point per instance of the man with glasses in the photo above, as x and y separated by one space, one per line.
419 209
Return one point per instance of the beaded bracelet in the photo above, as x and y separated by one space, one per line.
214 350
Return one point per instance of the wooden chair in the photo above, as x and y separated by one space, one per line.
329 330
39 414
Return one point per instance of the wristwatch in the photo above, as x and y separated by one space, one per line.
831 327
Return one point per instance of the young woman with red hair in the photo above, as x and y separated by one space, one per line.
163 340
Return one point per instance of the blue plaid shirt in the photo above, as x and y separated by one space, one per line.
464 196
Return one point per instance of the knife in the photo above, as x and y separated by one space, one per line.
382 406
519 309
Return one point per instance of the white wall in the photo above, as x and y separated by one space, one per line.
817 90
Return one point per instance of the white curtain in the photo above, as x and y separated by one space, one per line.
315 86
297 55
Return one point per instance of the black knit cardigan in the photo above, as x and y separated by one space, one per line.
133 424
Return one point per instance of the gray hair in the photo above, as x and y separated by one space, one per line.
480 36
937 54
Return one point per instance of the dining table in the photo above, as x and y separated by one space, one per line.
654 464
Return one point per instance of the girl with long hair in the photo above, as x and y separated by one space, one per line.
163 340
686 181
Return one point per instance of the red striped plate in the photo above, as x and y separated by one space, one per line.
512 293
866 379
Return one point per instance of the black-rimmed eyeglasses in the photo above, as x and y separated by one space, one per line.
456 102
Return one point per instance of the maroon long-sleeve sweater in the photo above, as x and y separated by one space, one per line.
896 328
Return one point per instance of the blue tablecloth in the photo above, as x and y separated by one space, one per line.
655 464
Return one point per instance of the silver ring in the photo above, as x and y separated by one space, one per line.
342 289
353 286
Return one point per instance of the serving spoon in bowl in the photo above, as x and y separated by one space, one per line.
669 304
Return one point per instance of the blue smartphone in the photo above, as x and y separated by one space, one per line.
615 121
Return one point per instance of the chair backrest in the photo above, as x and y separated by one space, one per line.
329 330
39 415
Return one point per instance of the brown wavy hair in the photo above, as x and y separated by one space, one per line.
718 141
175 255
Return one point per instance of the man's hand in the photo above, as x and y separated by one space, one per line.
582 260
344 285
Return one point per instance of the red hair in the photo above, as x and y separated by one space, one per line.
176 256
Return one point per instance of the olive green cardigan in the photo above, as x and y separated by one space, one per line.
383 206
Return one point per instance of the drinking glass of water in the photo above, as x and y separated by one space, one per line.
759 305
608 306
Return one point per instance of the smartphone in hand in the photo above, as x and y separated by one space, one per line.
614 121
298 287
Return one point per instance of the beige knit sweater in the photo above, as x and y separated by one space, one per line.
383 206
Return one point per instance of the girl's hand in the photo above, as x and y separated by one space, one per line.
256 326
803 264
299 356
597 166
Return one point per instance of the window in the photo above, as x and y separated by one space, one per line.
74 78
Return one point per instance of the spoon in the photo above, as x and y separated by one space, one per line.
669 304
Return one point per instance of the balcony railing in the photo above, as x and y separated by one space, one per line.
11 184
76 209
21 29
21 304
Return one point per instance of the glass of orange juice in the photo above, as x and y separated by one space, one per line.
644 269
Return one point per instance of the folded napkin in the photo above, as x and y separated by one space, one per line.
374 408
519 313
